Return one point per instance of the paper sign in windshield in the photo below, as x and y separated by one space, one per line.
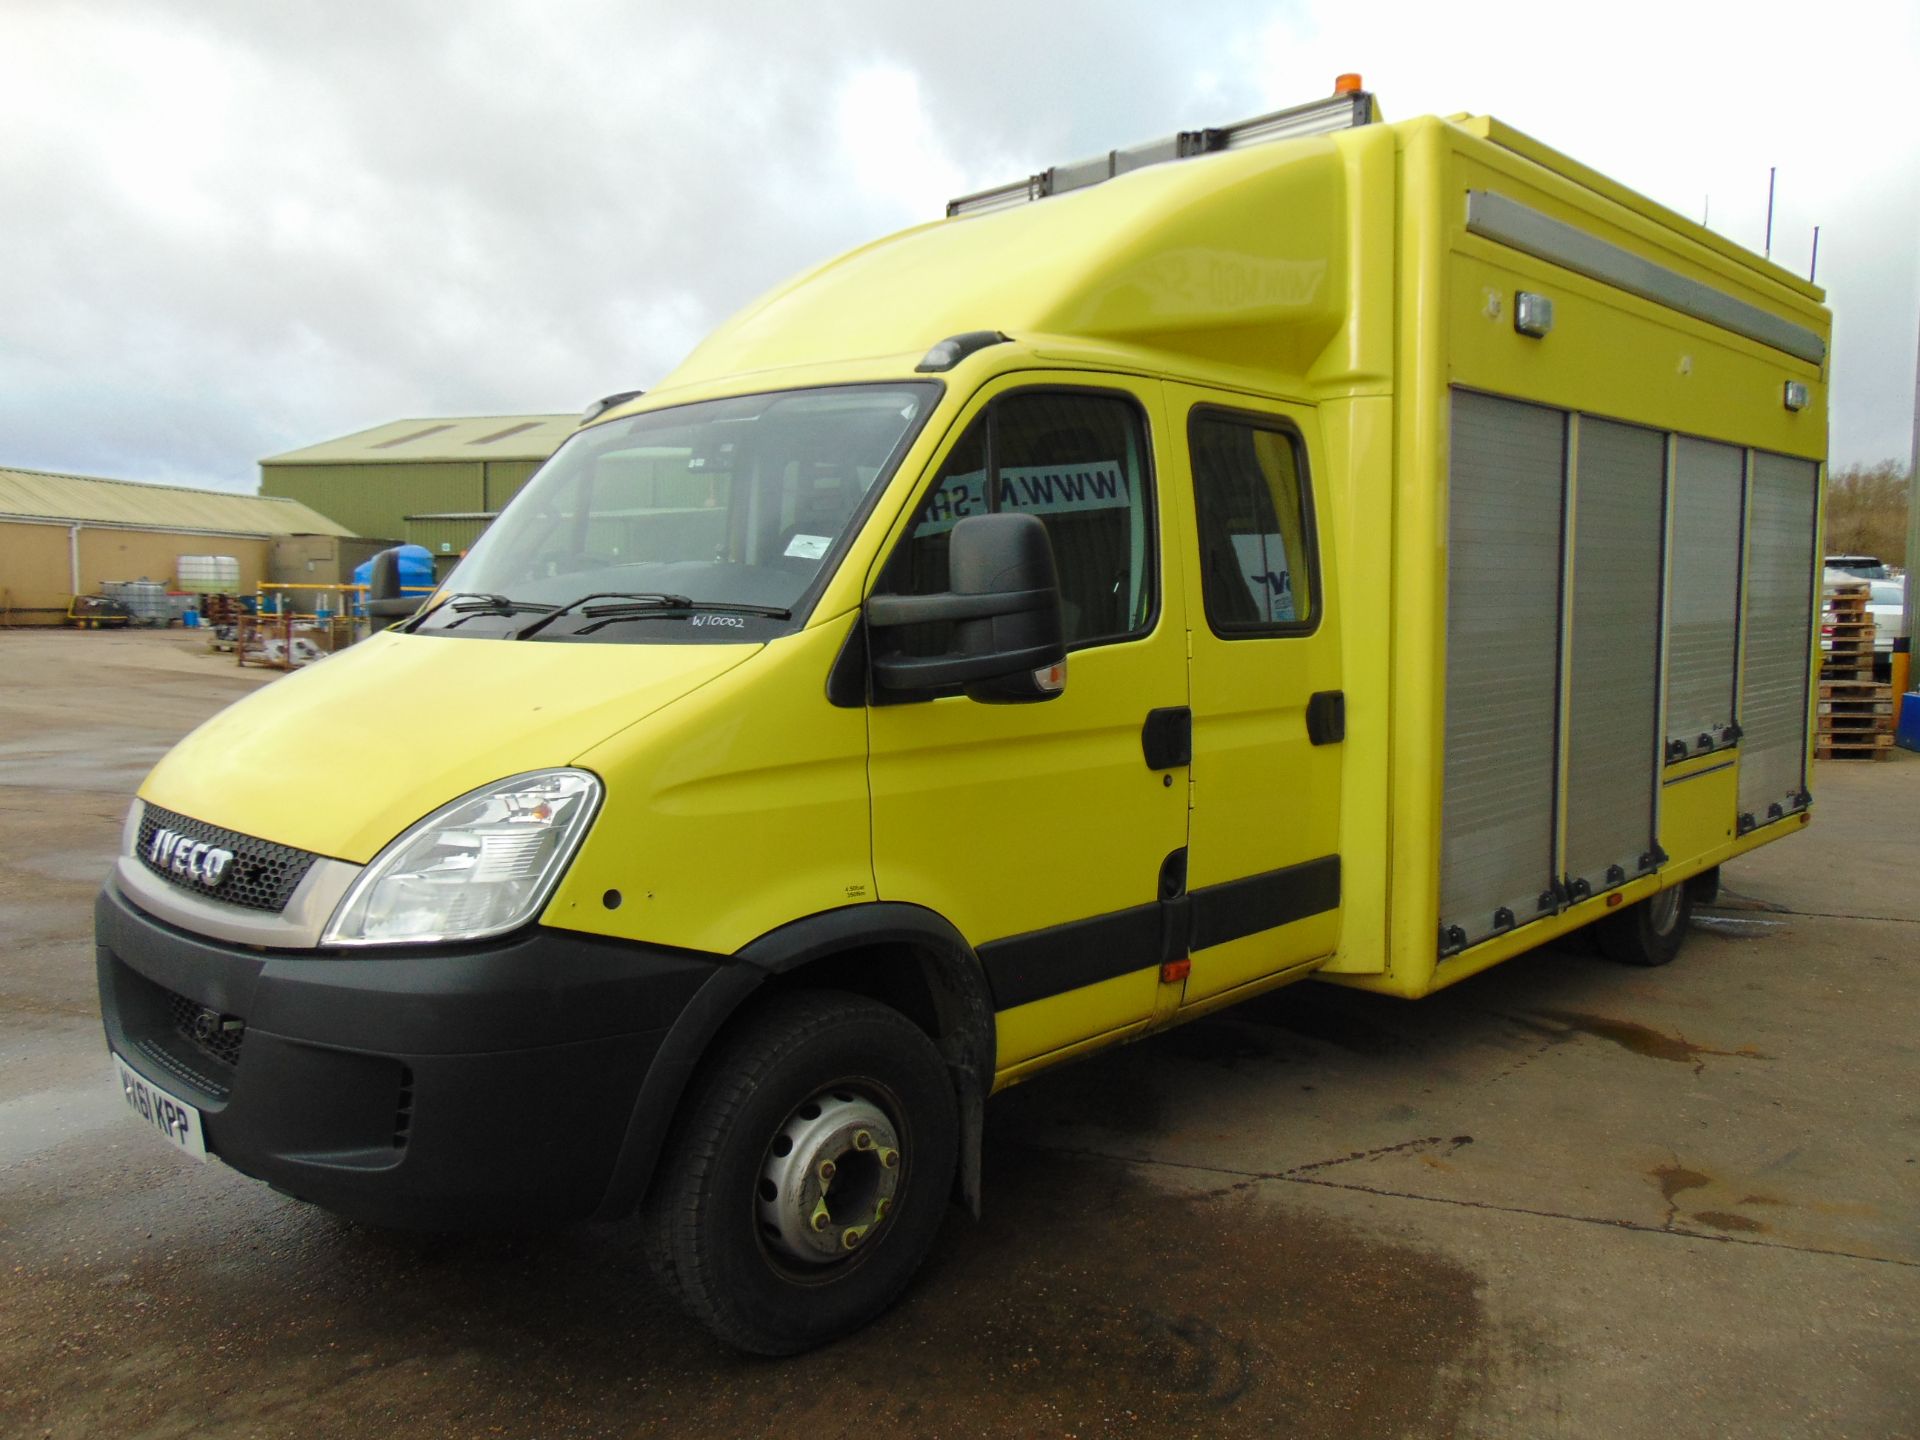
1263 564
1030 489
808 547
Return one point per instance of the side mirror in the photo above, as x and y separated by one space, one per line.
384 582
1009 641
385 604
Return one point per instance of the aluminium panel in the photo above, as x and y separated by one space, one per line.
1505 528
1613 692
1778 662
1703 596
1499 218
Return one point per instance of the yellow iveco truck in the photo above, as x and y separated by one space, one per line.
1315 546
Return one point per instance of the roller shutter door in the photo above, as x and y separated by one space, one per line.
1506 502
1779 611
1613 709
1703 630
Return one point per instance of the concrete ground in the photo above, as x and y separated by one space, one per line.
1561 1199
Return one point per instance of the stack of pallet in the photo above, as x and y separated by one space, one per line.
1856 714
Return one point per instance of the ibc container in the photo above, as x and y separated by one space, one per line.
209 575
147 599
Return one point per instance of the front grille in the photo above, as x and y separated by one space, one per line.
194 1075
263 875
206 1030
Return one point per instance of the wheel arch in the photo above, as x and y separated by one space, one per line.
902 955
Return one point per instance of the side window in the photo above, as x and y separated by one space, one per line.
1078 462
1257 568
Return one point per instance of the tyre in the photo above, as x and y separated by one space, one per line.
808 1173
1649 932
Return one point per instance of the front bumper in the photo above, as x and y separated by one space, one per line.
490 1087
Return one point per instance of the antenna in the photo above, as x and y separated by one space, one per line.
1706 209
1772 170
1813 265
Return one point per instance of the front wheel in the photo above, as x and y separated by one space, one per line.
808 1174
1650 932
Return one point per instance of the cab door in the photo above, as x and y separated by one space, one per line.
1040 830
1263 869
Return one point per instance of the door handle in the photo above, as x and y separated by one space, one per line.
1327 717
1167 738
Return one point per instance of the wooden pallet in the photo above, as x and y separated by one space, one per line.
1879 750
1863 730
1835 687
1847 665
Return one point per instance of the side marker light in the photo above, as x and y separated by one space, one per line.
1532 314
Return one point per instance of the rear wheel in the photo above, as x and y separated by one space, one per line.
808 1175
1650 932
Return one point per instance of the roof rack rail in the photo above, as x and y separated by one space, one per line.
1343 111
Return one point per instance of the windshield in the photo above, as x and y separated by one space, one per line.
742 503
1864 567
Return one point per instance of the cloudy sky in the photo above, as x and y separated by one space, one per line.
232 227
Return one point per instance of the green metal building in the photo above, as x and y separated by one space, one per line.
435 483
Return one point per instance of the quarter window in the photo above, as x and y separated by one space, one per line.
1078 462
1255 527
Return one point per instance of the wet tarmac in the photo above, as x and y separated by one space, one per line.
1562 1199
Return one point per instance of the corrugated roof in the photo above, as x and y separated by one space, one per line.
462 437
88 500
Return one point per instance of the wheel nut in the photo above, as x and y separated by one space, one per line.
862 1140
826 1170
889 1158
851 1238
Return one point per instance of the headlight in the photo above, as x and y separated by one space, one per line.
477 867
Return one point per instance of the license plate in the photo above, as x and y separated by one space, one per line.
176 1120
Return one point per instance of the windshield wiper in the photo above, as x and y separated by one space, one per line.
469 603
646 606
646 601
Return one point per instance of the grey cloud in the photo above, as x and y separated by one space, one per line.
417 209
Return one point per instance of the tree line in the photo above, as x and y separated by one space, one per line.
1867 511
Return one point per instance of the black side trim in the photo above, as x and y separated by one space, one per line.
1044 963
1176 910
847 679
1167 738
1025 968
1327 717
1262 902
